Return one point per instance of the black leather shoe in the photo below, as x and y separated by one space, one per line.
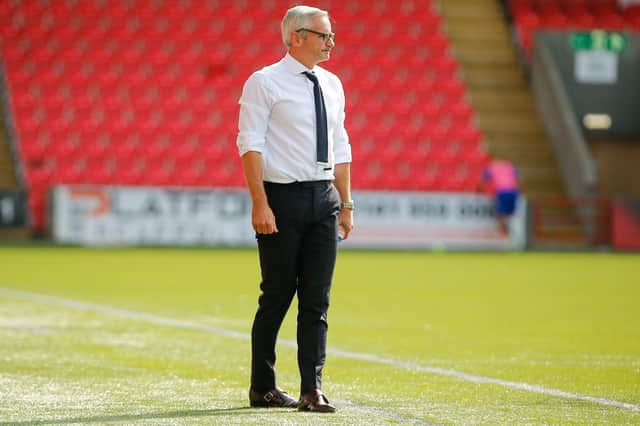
315 401
276 398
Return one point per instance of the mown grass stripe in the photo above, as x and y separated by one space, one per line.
180 324
170 322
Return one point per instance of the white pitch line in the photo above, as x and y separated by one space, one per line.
382 413
170 322
484 380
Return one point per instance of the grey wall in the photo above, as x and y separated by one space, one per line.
620 100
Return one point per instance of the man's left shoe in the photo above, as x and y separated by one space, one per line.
315 401
276 398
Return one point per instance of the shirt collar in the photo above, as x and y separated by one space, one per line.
294 66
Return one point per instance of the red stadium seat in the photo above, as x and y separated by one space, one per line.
612 21
131 171
428 178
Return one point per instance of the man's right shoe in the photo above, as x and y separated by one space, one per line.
315 401
275 398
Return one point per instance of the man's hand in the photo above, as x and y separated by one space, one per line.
345 221
343 185
263 219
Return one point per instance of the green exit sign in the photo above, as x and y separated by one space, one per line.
598 40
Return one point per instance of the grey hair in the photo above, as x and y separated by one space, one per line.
298 17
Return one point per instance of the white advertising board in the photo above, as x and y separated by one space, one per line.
107 215
433 220
104 215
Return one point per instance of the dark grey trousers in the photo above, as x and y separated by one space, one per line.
299 258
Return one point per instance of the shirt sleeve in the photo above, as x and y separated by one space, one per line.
341 146
255 108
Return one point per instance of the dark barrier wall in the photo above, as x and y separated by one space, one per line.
13 211
620 99
626 224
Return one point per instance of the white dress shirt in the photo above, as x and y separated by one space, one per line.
277 119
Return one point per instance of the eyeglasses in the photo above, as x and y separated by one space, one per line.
324 36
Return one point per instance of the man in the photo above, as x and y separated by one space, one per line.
500 180
296 159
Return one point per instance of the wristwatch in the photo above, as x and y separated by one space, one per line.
347 205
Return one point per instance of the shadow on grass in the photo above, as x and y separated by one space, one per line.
235 411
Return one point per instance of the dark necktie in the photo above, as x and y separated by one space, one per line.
322 142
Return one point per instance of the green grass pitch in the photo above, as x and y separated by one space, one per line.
161 336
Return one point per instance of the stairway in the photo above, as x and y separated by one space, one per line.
7 168
8 177
501 92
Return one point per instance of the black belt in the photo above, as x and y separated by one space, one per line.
297 184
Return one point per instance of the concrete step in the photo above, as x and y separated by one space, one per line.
535 192
492 30
522 154
492 78
495 101
546 174
7 171
485 56
477 9
8 180
538 170
7 183
542 186
523 141
515 123
467 42
5 161
7 166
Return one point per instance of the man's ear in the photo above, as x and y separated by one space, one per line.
295 39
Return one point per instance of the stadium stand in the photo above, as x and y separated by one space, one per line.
145 92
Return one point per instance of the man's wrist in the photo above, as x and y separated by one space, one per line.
349 205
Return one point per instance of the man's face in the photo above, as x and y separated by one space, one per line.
318 46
